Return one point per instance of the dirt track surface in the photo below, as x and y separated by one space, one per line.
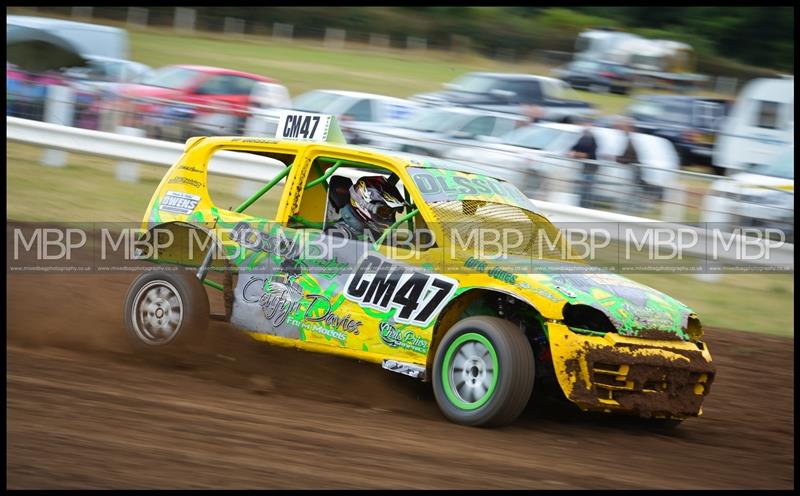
84 412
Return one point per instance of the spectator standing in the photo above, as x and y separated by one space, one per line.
630 158
586 149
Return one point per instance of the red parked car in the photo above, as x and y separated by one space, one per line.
197 90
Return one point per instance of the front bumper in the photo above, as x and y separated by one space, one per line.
646 377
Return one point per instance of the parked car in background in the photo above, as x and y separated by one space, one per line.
88 39
433 131
351 108
97 81
204 90
762 197
26 92
104 71
509 93
760 126
266 100
534 158
690 123
665 64
361 107
596 76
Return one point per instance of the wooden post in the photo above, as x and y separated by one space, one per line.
82 12
379 41
137 16
281 30
185 19
59 109
414 43
234 26
334 38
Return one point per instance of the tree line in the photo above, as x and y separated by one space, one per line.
756 36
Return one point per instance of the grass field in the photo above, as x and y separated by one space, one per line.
87 190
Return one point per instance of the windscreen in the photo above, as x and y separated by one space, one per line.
314 101
534 137
171 77
432 121
443 185
469 206
474 84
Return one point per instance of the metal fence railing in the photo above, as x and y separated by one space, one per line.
249 166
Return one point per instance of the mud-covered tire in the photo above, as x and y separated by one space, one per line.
166 309
483 372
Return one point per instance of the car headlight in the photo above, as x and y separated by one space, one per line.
582 318
693 327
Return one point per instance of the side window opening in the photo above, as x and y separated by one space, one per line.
216 85
361 111
480 126
229 193
503 126
767 114
327 195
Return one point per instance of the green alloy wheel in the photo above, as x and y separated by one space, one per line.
483 372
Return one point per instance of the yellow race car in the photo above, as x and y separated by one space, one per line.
435 296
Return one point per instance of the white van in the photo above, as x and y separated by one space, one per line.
760 125
89 39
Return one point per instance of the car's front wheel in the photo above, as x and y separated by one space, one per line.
166 309
483 372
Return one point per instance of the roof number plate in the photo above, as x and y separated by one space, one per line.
303 126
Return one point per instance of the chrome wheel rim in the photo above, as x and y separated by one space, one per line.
471 371
157 313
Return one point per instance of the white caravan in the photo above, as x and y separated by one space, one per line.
760 125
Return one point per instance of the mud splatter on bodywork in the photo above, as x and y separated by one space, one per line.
650 378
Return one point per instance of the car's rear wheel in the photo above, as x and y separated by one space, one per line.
166 309
483 372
